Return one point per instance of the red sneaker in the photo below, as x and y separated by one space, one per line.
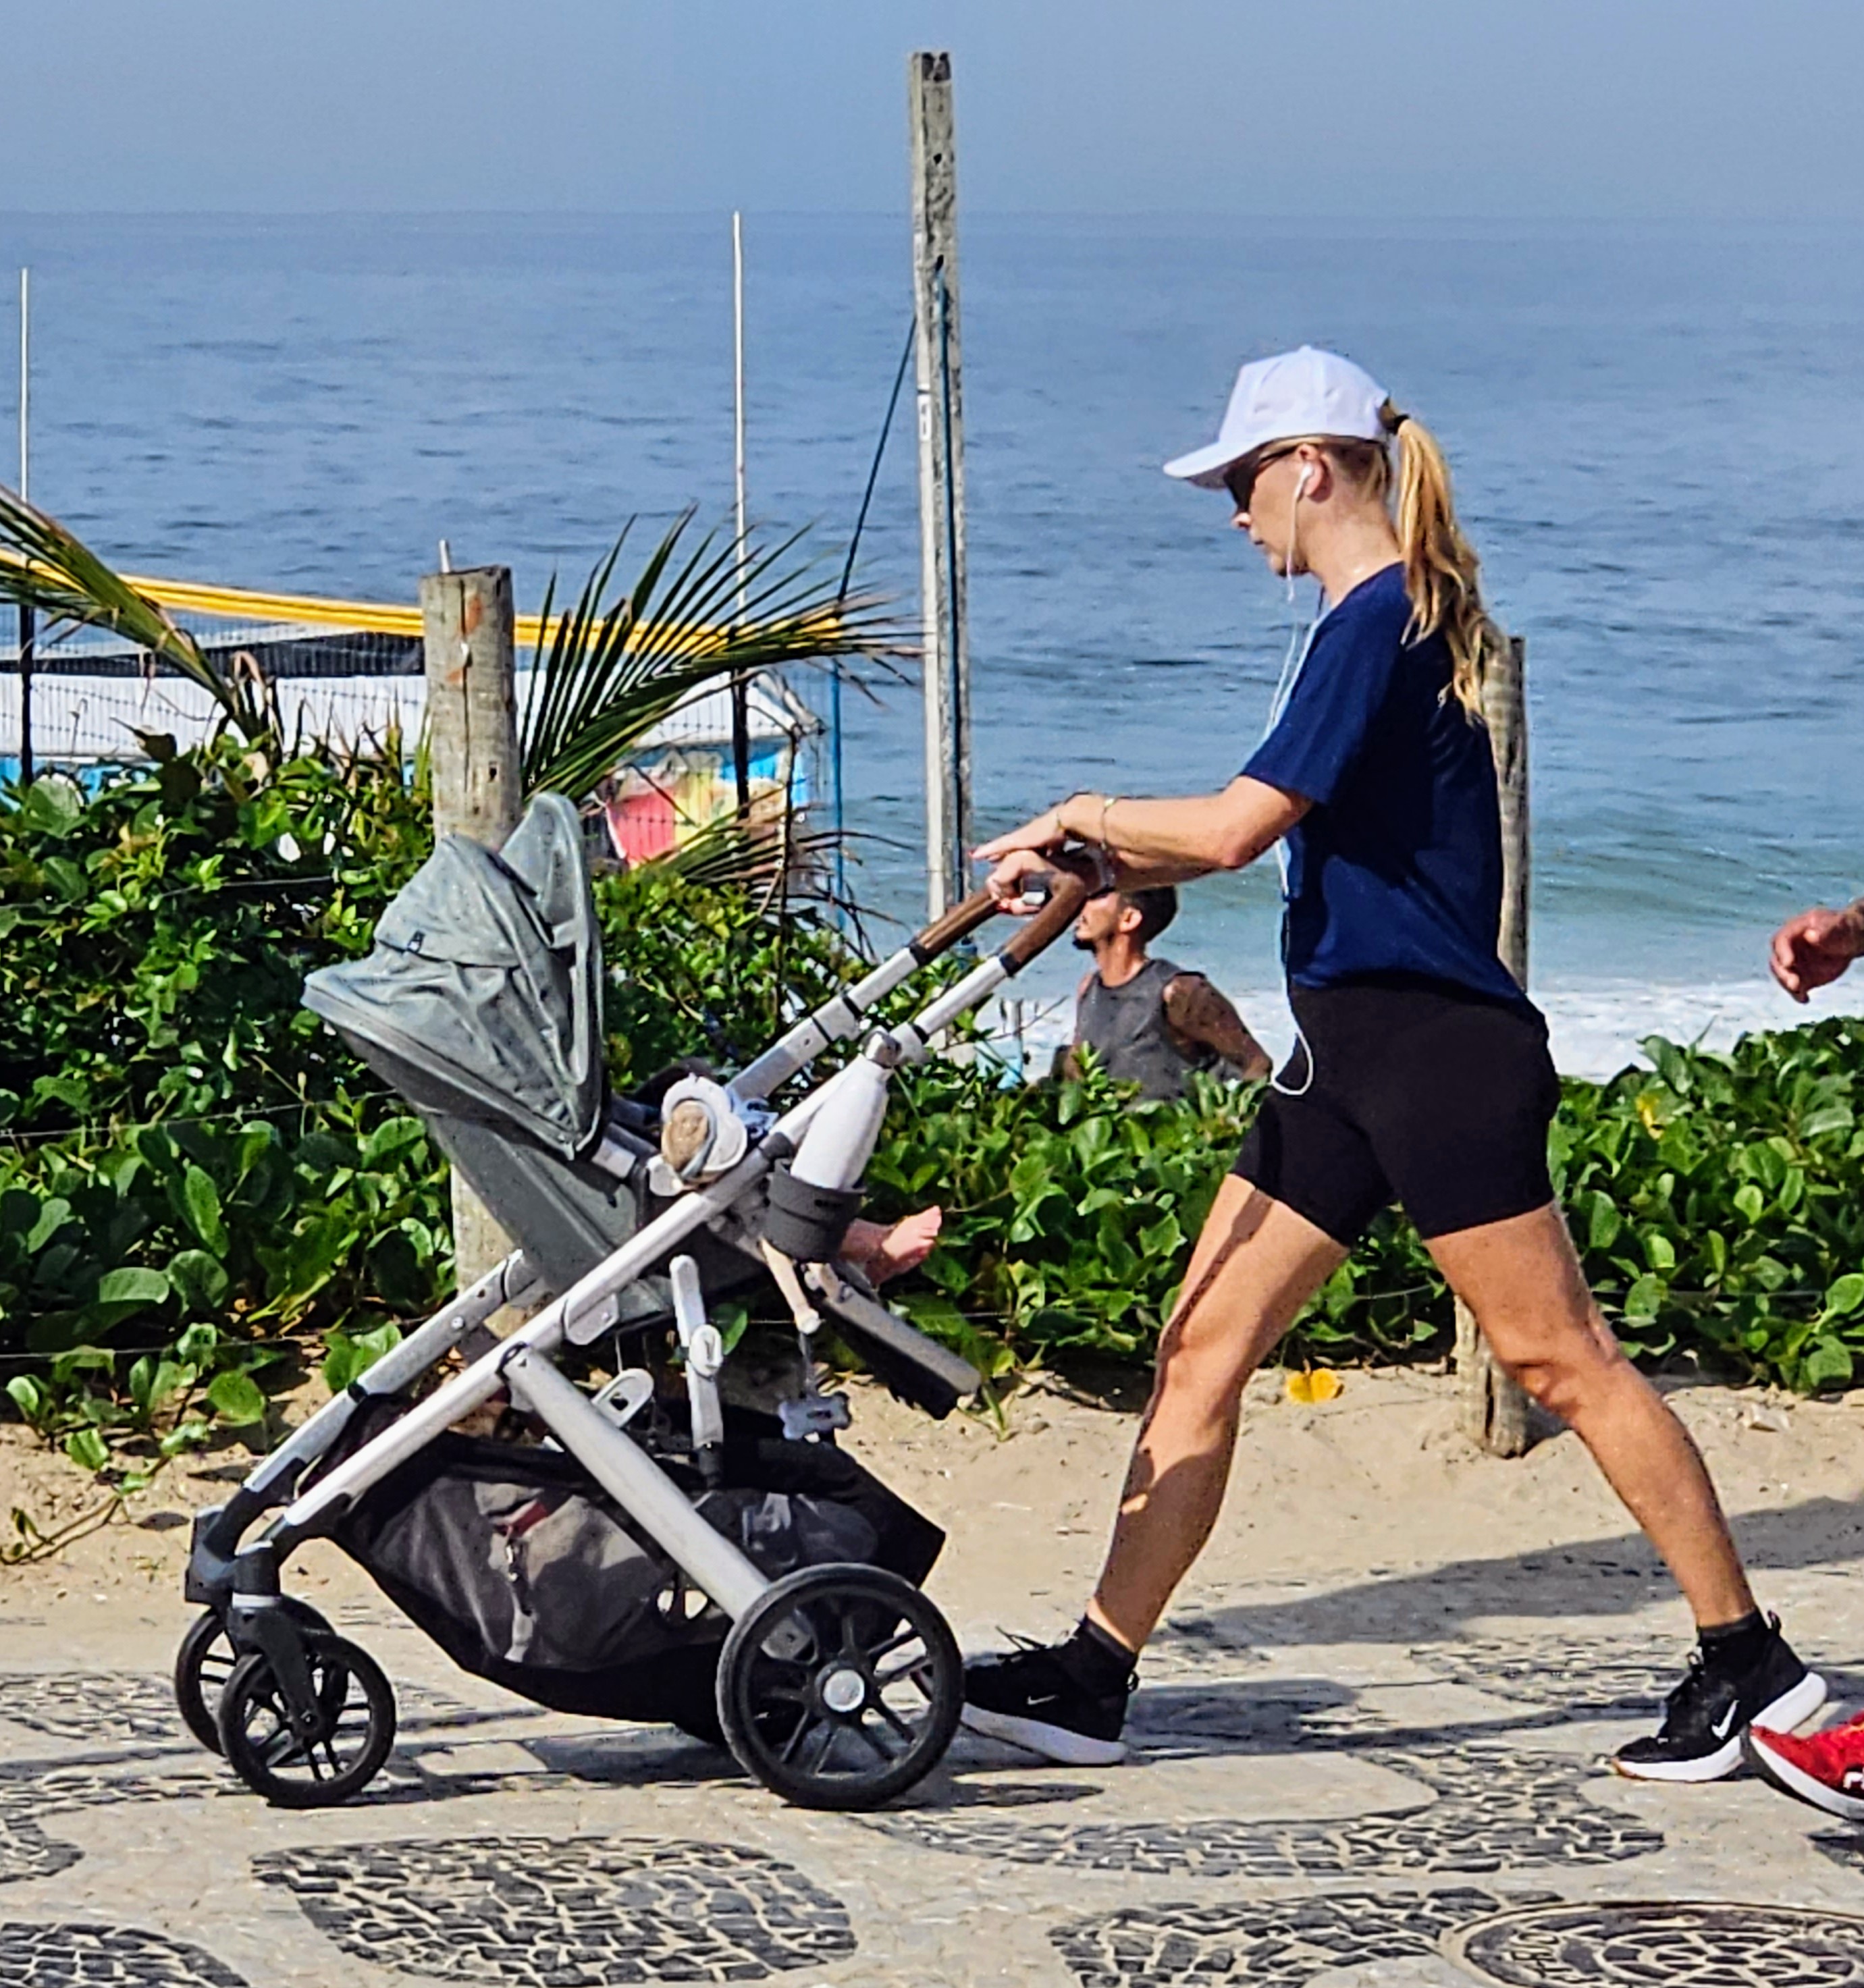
1825 1769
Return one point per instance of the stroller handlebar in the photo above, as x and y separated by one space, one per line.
959 922
1067 893
1064 894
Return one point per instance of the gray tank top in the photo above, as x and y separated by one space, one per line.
1126 1027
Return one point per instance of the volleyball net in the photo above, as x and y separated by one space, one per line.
351 673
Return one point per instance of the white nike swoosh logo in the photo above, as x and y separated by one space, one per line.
1722 1727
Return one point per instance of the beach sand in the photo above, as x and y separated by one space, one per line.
1374 1495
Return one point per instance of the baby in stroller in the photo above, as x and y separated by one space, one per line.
732 1572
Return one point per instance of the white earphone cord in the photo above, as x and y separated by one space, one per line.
1300 641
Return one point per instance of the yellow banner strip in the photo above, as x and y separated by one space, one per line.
383 617
379 618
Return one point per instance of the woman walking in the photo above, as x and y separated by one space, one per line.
1422 1072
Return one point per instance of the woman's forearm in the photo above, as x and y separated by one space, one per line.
1170 841
1149 873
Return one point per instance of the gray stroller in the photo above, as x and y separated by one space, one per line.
630 1553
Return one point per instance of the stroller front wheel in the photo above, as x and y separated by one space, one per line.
840 1687
204 1662
202 1665
293 1768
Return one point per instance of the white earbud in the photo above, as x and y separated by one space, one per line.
1300 484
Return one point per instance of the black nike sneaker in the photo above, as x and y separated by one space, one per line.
1706 1715
1035 1699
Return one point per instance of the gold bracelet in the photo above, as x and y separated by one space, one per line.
1107 801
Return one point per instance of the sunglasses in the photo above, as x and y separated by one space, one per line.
1239 478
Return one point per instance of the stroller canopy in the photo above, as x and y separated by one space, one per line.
486 979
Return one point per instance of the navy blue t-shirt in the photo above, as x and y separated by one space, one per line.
1396 868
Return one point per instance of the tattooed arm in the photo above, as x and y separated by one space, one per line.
1198 1015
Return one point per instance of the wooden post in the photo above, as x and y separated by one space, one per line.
947 663
1494 1410
472 745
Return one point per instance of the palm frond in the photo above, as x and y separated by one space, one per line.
608 671
46 567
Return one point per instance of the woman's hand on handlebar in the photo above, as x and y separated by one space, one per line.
1009 878
1045 832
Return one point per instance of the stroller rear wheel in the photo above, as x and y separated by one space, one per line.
297 1769
204 1662
840 1687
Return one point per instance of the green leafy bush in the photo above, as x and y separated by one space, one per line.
196 1177
1070 1212
1714 1201
186 1158
189 1163
201 1191
696 971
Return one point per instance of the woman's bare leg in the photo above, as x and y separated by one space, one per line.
1522 1279
1256 1264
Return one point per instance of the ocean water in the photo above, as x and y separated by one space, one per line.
1658 435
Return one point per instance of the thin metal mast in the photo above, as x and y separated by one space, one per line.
741 688
27 629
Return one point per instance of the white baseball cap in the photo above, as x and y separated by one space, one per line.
1305 393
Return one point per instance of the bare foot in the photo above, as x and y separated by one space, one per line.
883 1253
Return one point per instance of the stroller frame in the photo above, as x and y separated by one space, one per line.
296 1683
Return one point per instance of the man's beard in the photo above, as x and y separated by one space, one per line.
1083 943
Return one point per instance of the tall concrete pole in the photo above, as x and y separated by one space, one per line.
947 663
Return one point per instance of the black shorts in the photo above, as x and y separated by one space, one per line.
1422 1093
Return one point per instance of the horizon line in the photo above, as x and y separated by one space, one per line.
1518 217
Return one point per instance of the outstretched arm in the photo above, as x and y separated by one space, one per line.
1200 1015
1813 949
1153 842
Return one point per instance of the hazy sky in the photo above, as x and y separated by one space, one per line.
1388 109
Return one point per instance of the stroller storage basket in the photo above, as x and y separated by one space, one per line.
527 1574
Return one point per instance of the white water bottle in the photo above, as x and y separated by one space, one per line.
840 1139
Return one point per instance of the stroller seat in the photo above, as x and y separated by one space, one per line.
481 1005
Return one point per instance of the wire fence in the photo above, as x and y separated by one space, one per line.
93 697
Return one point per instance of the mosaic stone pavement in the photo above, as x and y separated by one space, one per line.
535 1912
104 1708
1682 1945
1289 1820
1184 1945
1494 1812
1629 1677
69 1956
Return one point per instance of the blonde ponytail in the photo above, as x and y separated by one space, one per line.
1440 564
